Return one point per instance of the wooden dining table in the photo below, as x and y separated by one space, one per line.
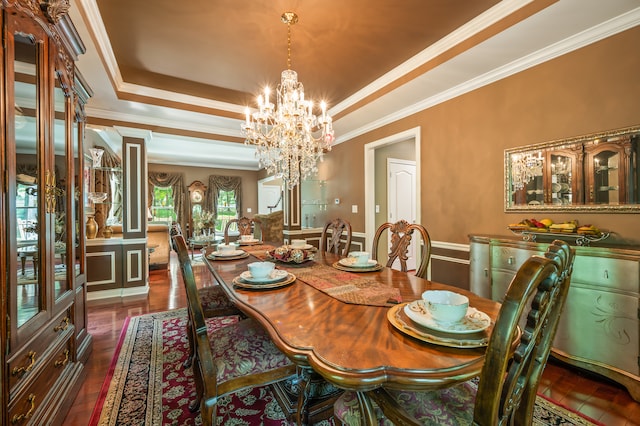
353 346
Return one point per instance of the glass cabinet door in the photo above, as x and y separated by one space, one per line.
29 185
562 176
606 166
60 207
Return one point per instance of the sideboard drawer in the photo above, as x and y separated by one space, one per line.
25 405
509 258
621 274
27 360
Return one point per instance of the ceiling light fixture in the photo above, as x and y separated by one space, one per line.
285 133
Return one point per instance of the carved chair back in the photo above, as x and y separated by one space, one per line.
401 235
336 232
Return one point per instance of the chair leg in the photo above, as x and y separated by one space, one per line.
366 409
189 361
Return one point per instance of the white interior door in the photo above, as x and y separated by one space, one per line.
401 199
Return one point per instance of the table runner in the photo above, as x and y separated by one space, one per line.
344 286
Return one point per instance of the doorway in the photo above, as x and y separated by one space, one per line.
269 195
375 213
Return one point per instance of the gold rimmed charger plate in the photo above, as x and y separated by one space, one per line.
403 323
212 256
373 268
239 282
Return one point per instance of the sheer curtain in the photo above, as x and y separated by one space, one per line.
176 182
224 183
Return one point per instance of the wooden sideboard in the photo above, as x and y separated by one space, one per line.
600 326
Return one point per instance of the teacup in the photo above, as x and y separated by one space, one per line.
261 269
361 257
445 306
226 248
298 244
246 238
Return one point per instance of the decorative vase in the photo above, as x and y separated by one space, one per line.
107 232
91 228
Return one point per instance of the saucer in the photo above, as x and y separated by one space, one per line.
473 322
304 247
228 254
275 276
351 263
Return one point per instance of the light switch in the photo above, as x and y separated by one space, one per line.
377 208
354 208
248 209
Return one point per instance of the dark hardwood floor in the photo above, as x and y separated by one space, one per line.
598 398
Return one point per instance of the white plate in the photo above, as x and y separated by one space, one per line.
304 247
473 322
228 254
351 263
276 275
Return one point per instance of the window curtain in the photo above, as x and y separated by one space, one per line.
224 183
176 182
104 177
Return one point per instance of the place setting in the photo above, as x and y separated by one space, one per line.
262 276
358 261
227 252
443 318
248 240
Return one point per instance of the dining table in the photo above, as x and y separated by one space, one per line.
350 325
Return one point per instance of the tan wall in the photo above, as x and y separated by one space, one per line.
249 181
463 140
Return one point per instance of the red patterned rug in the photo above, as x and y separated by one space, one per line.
147 384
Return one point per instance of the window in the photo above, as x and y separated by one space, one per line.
226 203
162 206
27 212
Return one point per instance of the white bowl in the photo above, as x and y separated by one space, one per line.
246 238
261 269
445 306
298 243
361 257
226 248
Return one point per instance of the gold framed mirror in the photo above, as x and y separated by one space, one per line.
595 172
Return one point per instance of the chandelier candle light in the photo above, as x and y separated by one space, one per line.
285 133
524 167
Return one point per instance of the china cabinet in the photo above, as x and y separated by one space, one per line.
44 336
607 166
586 173
599 329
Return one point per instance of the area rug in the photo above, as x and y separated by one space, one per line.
147 384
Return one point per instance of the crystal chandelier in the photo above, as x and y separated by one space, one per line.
524 167
289 138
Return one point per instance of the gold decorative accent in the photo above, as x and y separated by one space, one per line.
62 326
54 9
19 371
63 362
31 399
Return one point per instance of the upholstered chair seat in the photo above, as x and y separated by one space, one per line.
215 302
244 349
447 407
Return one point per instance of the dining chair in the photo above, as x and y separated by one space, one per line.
332 237
506 390
230 358
245 226
401 235
213 299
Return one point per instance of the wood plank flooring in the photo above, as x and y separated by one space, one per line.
598 398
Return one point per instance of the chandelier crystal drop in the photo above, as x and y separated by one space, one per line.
289 138
524 167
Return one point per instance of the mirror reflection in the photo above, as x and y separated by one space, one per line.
593 172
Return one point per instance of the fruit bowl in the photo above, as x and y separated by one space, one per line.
286 254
